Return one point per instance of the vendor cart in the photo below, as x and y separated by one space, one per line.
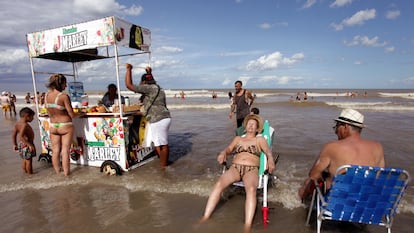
113 140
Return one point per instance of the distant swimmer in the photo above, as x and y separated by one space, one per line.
214 95
182 94
28 98
298 97
13 100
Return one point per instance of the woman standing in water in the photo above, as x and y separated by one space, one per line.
61 129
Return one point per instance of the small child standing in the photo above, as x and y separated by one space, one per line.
25 147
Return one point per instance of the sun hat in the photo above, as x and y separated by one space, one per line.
4 93
352 117
257 118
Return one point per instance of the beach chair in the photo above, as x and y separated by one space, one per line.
361 194
267 133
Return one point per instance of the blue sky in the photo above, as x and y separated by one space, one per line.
210 44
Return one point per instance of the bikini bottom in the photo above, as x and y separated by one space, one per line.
24 151
243 169
60 124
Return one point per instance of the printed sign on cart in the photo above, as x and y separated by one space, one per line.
105 138
89 35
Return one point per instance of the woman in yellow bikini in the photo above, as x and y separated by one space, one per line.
245 167
61 128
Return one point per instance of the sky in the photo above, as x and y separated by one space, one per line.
299 44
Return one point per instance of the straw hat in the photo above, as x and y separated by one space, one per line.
257 118
352 117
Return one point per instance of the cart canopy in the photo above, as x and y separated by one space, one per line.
80 42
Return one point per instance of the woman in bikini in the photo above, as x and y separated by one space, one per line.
245 167
61 128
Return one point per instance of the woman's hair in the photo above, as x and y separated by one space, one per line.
111 86
148 79
56 81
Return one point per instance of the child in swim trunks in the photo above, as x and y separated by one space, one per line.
25 146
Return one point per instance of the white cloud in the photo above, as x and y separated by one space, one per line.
340 3
273 61
358 18
265 25
358 62
160 63
11 56
168 49
337 27
392 14
94 6
227 82
103 7
133 10
269 25
309 3
365 41
389 49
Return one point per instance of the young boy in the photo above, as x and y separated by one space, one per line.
25 147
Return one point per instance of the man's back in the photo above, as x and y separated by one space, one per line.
352 150
4 99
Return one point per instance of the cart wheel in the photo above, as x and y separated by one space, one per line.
44 158
74 156
110 168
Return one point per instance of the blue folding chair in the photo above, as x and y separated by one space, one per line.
361 194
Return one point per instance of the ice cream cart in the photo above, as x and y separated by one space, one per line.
113 140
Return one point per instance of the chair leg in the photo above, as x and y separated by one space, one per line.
312 203
318 213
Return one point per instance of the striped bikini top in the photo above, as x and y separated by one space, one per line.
252 149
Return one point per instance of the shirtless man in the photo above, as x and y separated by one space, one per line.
349 149
5 103
242 101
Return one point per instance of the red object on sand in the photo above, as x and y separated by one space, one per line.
265 210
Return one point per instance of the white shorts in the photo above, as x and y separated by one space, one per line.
159 132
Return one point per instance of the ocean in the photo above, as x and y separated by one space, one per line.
146 199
